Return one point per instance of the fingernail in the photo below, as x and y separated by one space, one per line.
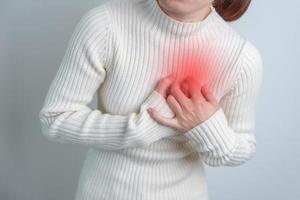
150 110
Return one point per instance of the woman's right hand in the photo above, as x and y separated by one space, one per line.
164 85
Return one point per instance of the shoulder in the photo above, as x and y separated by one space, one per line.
97 13
246 60
251 55
93 21
119 7
108 11
93 33
250 60
248 53
250 74
243 58
108 14
225 31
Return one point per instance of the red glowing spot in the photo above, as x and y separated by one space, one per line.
200 64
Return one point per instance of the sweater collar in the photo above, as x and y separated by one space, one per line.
170 25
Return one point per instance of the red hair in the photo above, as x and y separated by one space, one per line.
231 10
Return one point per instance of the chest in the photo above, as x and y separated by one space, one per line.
141 59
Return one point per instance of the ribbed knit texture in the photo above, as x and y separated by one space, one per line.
119 51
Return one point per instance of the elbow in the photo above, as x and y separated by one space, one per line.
231 159
46 126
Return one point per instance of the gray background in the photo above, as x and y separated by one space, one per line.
33 38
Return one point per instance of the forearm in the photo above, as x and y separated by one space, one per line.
102 130
220 145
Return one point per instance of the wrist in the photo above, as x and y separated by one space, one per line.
213 133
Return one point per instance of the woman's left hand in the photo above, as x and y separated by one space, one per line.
189 110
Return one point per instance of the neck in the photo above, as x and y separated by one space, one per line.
193 16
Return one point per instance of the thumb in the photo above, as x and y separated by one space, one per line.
208 95
164 85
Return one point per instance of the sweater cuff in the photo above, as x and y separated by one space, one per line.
213 134
158 102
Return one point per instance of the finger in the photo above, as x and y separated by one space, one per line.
179 95
208 95
171 122
164 84
185 89
195 89
174 105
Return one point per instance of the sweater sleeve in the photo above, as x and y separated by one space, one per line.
66 117
227 138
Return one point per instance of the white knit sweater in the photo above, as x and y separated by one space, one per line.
119 51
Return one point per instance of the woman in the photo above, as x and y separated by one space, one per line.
176 88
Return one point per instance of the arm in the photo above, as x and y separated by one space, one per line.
66 117
227 137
